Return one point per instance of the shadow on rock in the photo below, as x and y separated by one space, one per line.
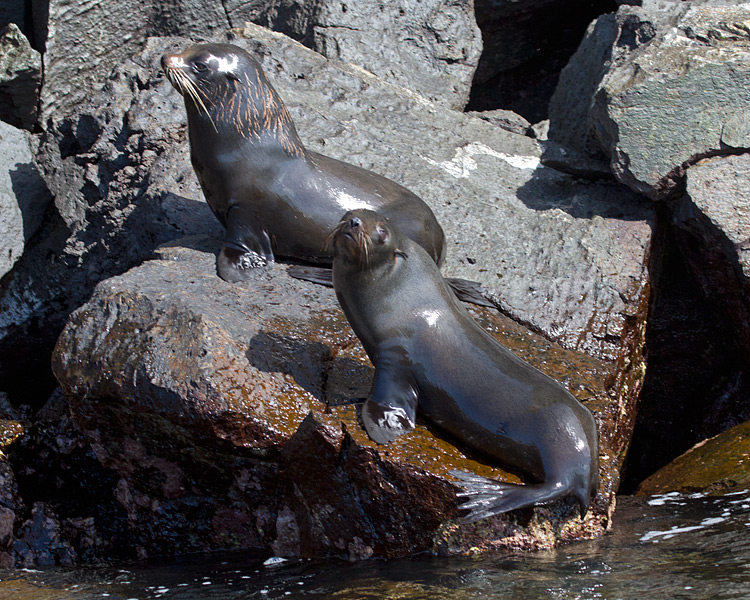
549 189
342 380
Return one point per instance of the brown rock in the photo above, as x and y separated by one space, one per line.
717 465
218 402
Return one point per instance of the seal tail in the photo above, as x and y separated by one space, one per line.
487 497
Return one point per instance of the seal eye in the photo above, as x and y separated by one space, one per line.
200 67
382 234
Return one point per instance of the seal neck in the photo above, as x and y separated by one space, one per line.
254 110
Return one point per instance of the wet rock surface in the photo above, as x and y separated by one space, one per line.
718 465
232 405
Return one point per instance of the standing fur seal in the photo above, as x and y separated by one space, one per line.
428 351
272 195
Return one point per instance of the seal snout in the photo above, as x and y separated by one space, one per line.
171 61
355 223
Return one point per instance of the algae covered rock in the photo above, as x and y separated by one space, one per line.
717 465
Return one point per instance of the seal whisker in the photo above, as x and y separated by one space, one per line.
188 88
365 245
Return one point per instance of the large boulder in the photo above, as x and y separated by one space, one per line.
645 76
173 373
97 163
431 47
84 42
120 174
225 410
655 94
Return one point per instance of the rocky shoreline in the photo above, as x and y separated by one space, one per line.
184 414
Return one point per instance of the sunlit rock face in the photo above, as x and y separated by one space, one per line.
654 88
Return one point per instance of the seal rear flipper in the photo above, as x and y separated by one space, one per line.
391 409
487 497
468 291
320 275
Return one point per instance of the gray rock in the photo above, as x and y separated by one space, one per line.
506 119
77 63
669 91
566 257
714 216
23 195
20 78
431 47
98 162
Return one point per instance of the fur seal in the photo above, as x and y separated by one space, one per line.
429 352
273 196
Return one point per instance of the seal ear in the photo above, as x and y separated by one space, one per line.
401 253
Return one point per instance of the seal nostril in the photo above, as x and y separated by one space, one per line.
355 222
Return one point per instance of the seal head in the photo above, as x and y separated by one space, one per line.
273 196
430 354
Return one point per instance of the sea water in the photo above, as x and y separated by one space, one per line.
672 547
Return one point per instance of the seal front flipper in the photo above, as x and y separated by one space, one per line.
245 252
391 409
